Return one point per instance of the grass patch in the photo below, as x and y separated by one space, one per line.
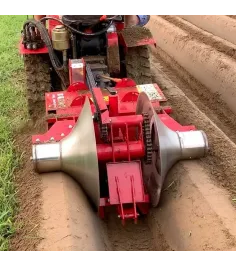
12 114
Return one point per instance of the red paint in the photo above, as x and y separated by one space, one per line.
124 149
23 51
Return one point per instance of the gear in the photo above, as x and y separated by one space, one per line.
104 131
147 138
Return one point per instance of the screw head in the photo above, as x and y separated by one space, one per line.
62 134
38 140
52 138
70 126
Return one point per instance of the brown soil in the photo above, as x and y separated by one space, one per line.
200 35
221 26
133 237
208 102
68 221
213 69
28 193
232 16
133 35
37 71
113 59
138 66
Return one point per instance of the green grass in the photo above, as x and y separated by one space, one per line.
12 114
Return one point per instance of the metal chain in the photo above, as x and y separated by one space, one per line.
147 138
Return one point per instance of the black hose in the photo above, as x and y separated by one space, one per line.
78 31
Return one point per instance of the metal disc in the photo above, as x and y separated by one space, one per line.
151 172
79 155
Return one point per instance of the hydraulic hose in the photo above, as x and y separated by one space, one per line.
78 31
53 57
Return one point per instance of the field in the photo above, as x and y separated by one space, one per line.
194 63
12 116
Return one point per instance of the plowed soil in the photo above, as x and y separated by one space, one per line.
196 69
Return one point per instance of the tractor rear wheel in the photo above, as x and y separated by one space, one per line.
38 79
138 64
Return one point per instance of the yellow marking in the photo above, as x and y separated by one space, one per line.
106 98
139 89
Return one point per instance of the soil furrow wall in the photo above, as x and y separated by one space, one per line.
222 26
213 69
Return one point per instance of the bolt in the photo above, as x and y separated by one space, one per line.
70 126
51 138
62 134
38 140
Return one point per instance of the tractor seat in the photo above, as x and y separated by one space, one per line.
85 20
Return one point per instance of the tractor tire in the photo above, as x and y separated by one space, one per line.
138 67
38 80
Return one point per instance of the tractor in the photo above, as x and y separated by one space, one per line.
107 126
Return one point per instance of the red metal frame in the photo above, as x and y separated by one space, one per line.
113 38
123 153
125 149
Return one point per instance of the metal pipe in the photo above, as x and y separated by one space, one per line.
130 120
121 151
194 144
46 157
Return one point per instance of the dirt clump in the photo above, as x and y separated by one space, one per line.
113 59
133 35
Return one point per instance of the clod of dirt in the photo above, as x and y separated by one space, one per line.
133 35
138 65
113 59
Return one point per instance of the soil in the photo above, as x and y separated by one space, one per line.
232 16
214 70
29 192
113 59
133 237
206 101
138 66
196 71
37 70
200 35
221 26
133 35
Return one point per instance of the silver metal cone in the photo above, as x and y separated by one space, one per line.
168 147
79 154
76 155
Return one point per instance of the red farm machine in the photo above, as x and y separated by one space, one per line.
107 126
